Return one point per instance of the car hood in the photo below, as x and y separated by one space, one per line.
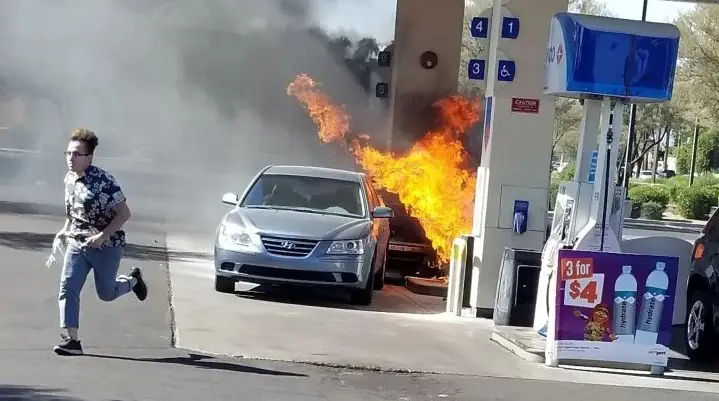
299 224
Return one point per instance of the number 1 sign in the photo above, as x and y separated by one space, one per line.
510 28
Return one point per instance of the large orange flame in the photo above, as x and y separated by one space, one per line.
431 180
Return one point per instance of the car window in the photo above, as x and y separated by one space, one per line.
308 193
372 197
375 195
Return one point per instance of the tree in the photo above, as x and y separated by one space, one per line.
590 7
697 86
567 119
365 49
653 123
340 46
699 59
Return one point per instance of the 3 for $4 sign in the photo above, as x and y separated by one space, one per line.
582 287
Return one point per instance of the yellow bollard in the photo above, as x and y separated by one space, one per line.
457 271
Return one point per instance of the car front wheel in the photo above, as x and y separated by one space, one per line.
224 284
380 275
699 334
364 296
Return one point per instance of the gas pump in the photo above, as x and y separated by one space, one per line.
606 67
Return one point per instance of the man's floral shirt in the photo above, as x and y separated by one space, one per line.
89 202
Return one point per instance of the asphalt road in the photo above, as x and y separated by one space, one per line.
629 233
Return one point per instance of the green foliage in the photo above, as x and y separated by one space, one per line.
652 211
567 173
707 149
695 202
684 159
714 191
704 180
553 190
642 194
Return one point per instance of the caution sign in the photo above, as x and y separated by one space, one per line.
523 105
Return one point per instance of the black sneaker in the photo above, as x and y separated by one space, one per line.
140 288
68 346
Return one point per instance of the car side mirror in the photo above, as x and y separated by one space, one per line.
230 198
382 212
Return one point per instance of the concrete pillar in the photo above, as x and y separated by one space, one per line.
422 26
516 157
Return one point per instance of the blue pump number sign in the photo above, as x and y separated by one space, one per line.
479 27
510 28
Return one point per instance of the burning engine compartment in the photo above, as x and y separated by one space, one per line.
431 186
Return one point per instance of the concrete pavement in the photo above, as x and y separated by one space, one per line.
270 324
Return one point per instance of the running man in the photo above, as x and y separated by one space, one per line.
96 212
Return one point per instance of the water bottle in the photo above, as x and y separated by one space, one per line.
625 306
650 313
58 248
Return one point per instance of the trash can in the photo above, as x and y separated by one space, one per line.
517 287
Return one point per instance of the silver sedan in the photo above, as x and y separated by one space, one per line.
304 225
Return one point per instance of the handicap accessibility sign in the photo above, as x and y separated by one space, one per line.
506 70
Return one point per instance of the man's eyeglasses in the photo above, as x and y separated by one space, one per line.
75 154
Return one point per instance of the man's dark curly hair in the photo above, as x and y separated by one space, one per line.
87 137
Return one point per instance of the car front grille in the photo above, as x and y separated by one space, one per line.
288 246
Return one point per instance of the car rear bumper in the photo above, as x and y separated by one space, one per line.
267 269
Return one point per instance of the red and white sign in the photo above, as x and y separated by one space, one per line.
522 105
560 53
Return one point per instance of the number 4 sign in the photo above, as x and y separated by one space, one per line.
584 292
480 27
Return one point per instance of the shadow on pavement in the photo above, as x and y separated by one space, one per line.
305 296
203 362
10 392
326 298
55 210
677 345
32 208
29 241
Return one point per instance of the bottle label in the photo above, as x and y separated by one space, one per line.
650 315
625 304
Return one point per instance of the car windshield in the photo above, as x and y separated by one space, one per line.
309 194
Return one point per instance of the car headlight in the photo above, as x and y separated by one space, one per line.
232 237
346 247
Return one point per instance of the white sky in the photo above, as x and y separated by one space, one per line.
657 10
376 17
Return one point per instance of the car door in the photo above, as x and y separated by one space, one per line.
708 263
381 224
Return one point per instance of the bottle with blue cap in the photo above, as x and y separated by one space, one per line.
625 306
650 313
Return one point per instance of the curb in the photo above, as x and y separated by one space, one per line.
427 287
515 347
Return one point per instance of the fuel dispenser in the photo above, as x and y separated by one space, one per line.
607 63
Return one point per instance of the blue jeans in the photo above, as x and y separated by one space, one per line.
78 262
